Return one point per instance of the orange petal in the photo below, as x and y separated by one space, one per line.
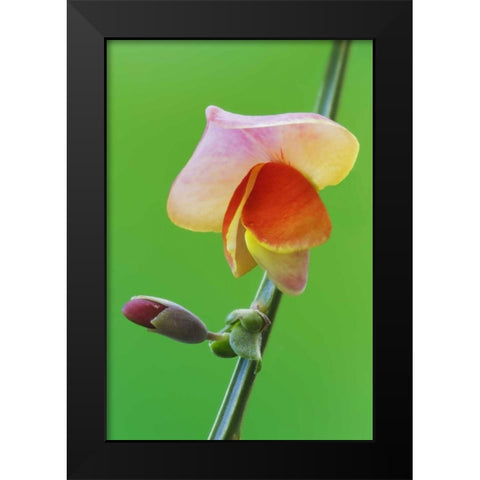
284 212
288 271
233 232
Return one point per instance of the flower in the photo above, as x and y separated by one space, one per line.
165 317
255 179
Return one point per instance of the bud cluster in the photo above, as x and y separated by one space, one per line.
241 336
243 332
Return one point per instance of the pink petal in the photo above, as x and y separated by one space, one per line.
288 271
321 149
200 194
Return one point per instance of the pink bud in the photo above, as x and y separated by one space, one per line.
142 312
166 318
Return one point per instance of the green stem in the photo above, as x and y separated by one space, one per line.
229 419
329 95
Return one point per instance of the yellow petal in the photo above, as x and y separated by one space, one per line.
288 271
233 232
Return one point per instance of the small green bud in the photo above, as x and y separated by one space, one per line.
246 344
222 348
235 316
252 320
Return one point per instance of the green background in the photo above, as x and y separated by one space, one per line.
316 380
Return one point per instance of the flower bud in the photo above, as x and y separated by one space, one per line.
222 348
251 319
167 318
246 344
236 315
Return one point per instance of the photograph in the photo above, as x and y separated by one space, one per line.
239 206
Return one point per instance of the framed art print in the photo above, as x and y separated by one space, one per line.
239 172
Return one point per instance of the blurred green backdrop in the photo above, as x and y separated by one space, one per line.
316 381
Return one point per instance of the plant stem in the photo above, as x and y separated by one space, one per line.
329 94
229 419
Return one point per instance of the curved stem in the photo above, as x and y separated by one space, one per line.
229 419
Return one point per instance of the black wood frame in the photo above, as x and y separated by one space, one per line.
90 24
